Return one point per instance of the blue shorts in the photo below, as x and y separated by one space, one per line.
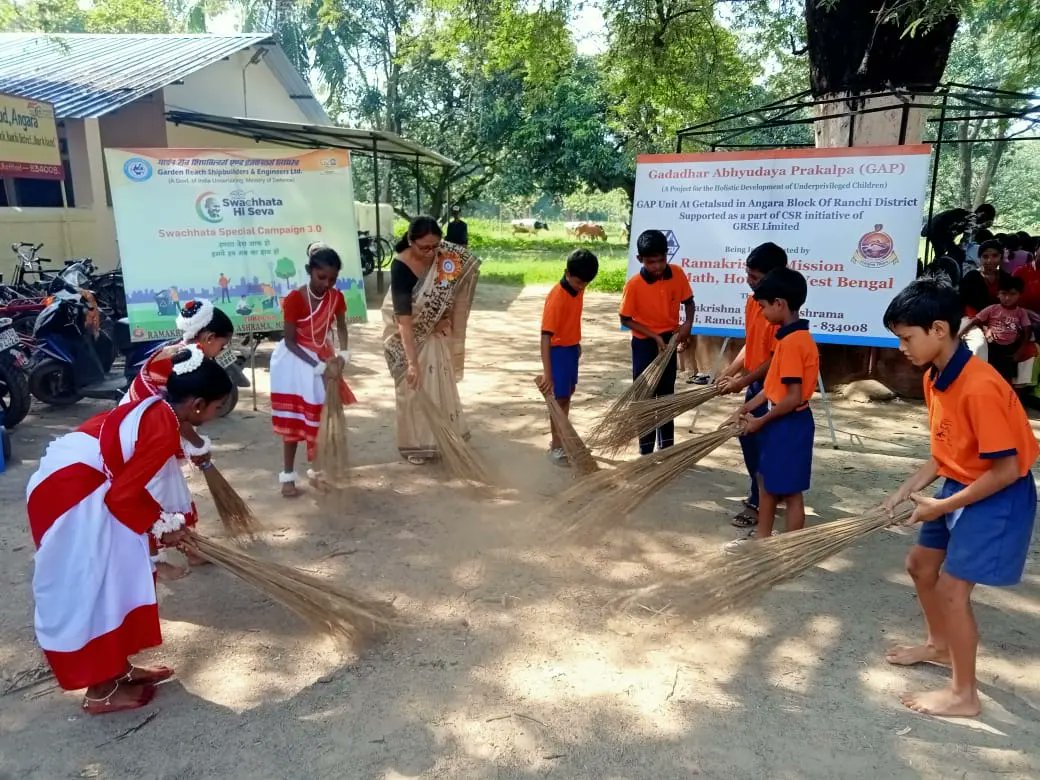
785 448
986 542
564 364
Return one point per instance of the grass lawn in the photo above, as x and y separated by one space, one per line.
522 259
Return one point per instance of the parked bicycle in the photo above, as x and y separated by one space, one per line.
376 252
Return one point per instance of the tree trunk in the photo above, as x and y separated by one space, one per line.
996 152
966 154
853 59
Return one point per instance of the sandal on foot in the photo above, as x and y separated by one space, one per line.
104 705
288 479
747 518
150 676
417 460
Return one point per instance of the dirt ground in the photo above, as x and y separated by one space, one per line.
513 666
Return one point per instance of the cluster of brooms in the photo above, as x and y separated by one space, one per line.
599 500
339 612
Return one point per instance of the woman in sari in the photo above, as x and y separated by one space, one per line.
425 315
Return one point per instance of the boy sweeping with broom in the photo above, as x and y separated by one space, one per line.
977 528
787 427
650 307
754 358
561 338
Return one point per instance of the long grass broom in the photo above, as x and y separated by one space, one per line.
723 580
646 415
332 458
578 454
456 454
603 500
339 612
238 519
642 387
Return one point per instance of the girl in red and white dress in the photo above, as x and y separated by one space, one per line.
99 495
210 329
299 360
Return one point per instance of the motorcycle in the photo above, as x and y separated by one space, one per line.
14 387
71 361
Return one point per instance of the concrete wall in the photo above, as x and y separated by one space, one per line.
218 90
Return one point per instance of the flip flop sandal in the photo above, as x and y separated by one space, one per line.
104 706
745 519
155 675
417 460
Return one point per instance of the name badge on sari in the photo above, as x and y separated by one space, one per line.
449 269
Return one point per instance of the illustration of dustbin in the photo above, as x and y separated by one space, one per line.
165 304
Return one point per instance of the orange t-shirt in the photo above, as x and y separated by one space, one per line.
561 317
795 361
655 304
760 335
974 416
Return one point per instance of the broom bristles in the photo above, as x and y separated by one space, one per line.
332 456
723 580
578 454
456 454
339 612
642 387
642 417
238 519
604 500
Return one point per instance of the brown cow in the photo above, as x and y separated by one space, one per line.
591 231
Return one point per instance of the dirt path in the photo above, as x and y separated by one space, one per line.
514 668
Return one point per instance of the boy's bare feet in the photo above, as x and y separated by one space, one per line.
909 655
945 702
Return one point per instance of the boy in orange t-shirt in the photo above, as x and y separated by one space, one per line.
977 528
561 338
787 428
650 307
753 358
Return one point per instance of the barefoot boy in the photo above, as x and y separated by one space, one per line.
753 358
561 338
650 307
786 430
976 529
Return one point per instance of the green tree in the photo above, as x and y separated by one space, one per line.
285 269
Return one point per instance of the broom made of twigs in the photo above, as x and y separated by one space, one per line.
646 415
642 387
339 612
456 454
723 580
603 500
332 459
578 454
238 519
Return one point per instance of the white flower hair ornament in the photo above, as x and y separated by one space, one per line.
195 315
190 364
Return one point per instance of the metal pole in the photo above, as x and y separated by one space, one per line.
827 409
375 188
935 174
418 194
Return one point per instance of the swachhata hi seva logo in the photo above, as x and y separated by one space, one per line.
875 249
207 206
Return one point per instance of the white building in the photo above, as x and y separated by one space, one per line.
154 91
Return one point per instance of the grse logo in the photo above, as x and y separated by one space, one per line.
673 243
137 169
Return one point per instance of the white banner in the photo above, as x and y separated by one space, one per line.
850 220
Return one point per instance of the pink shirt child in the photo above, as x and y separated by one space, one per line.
1006 325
